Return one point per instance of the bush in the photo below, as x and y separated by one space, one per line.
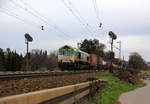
133 71
128 77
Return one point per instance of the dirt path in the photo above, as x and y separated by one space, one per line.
138 96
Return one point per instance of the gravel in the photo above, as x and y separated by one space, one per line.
25 85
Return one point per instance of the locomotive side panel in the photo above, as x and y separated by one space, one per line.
93 60
99 61
82 57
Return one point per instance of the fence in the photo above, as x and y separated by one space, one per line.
62 95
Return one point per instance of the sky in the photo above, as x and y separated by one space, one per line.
73 21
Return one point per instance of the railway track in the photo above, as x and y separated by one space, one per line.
41 74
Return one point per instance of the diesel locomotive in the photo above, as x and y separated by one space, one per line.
71 58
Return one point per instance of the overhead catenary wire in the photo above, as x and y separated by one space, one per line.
80 16
38 16
97 12
44 22
96 9
44 18
28 5
91 29
28 11
14 15
11 14
76 16
25 9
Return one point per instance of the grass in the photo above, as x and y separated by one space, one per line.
145 71
114 88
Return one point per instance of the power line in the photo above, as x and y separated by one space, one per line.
96 9
27 10
38 16
76 16
97 12
77 11
45 20
30 7
52 25
9 13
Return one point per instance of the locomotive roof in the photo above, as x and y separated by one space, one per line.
83 52
67 47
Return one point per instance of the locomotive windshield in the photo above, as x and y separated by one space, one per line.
61 52
66 52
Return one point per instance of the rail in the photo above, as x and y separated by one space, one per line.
42 74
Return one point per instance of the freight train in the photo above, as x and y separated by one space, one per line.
71 58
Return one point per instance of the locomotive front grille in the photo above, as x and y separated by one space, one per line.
65 59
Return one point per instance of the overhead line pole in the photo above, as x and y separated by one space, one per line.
112 41
28 39
113 37
119 49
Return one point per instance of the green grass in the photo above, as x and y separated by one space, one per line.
145 71
114 88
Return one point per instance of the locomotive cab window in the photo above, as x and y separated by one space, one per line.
61 52
69 52
88 58
79 55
